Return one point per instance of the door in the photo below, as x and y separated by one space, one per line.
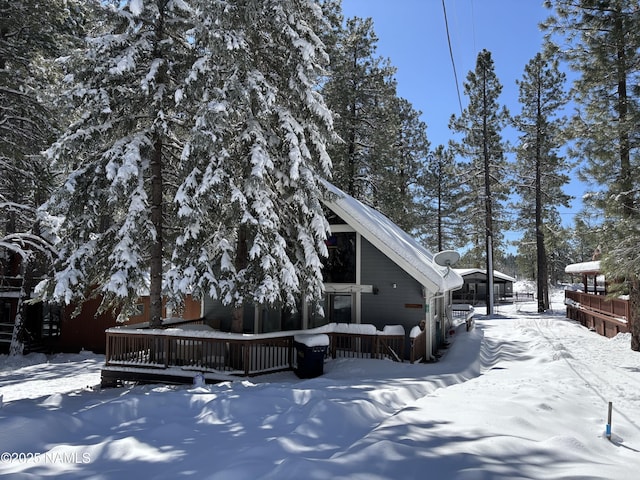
341 308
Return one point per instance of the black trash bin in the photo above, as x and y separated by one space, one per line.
310 352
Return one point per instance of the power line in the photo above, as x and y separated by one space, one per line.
453 63
473 26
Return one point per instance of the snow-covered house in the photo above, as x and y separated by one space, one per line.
474 289
375 274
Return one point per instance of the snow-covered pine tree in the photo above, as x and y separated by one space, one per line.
540 173
252 229
33 34
120 153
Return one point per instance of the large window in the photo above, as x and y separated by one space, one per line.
340 266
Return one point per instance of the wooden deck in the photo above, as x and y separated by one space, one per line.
606 316
176 356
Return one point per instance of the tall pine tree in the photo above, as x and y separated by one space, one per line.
381 156
484 169
602 43
119 152
361 92
401 161
540 172
441 198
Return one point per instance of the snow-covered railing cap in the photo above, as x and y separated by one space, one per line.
312 340
392 330
357 328
415 331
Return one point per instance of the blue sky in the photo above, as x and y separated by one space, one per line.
412 34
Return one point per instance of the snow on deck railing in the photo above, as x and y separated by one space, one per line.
465 312
207 332
201 347
313 340
604 315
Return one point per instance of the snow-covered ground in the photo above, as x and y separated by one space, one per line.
523 395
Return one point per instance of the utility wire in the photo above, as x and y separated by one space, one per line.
453 63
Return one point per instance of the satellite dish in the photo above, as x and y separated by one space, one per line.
446 258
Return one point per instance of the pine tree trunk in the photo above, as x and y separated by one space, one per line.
155 287
237 314
17 343
634 314
541 254
440 193
488 206
542 278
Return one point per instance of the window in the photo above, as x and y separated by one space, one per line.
5 313
340 266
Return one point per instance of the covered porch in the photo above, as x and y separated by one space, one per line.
591 306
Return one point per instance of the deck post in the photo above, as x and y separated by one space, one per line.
107 352
246 354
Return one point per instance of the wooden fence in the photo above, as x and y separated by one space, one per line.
141 354
607 316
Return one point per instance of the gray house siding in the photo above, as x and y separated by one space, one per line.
402 305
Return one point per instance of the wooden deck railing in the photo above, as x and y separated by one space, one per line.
235 354
358 345
465 313
607 316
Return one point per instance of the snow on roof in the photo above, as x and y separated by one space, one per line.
583 267
391 240
468 271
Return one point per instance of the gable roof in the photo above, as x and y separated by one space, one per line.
583 267
469 271
390 239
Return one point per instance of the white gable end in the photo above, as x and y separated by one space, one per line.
391 240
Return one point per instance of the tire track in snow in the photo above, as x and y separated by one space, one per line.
575 360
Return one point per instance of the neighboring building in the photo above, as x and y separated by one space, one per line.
375 274
51 328
589 273
87 329
474 290
590 303
16 283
